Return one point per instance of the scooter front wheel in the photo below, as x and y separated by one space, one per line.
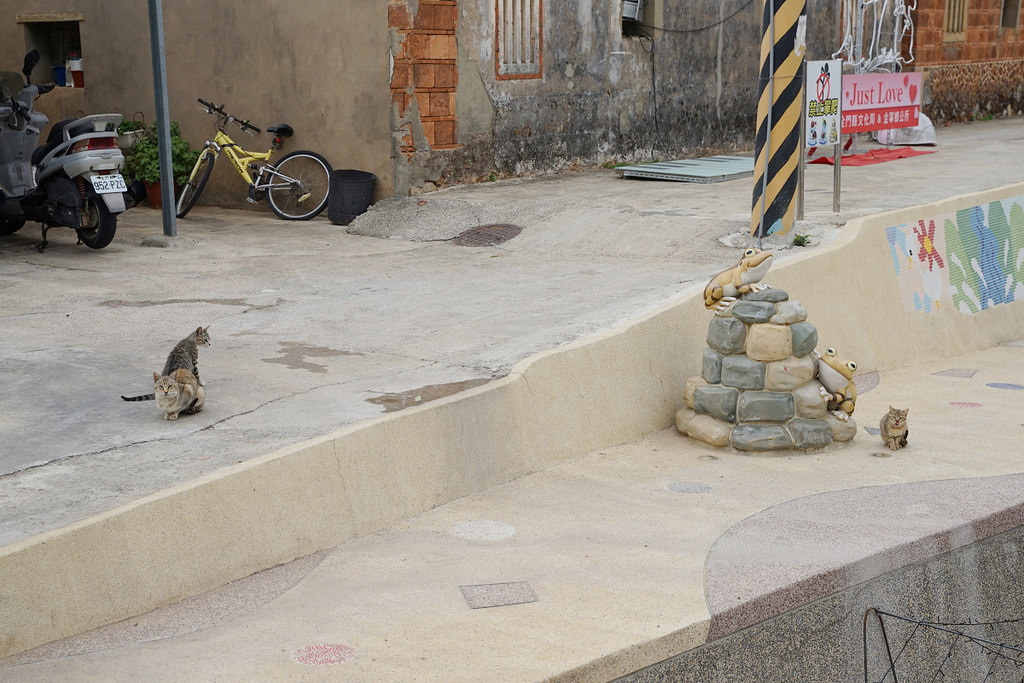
98 224
9 226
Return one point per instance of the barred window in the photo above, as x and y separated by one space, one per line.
954 21
1010 14
519 42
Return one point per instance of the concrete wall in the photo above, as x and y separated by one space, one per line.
682 84
412 90
318 494
323 70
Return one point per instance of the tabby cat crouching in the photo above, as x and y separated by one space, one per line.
177 393
184 355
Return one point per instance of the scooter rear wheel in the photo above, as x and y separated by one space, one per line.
9 226
98 224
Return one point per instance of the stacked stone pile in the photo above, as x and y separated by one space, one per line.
758 389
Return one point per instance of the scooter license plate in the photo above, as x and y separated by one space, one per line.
112 182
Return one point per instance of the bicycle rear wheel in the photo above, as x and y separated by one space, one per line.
196 182
302 194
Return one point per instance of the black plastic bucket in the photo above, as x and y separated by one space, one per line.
351 195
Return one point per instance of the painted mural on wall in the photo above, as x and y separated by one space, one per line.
970 260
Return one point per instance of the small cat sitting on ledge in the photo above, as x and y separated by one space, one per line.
893 428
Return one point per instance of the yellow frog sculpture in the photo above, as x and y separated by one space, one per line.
741 278
836 376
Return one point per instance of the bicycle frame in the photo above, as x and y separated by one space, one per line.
240 158
243 159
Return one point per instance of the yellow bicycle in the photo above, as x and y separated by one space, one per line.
296 187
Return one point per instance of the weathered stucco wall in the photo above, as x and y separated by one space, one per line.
323 70
685 84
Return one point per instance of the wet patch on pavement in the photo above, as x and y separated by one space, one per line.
294 355
405 399
122 303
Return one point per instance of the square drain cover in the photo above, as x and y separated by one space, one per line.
964 373
498 594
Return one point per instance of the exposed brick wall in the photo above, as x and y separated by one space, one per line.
983 74
425 72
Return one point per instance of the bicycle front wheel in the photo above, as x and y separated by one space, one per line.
196 182
300 185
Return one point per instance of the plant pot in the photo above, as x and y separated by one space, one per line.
128 138
154 194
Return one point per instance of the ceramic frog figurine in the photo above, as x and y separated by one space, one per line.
836 376
741 278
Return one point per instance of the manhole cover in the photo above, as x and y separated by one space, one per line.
487 235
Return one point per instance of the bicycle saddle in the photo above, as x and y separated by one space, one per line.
282 129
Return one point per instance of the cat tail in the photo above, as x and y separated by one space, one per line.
143 397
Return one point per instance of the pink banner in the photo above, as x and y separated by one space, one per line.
880 101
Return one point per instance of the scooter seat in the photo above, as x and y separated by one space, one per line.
56 137
282 129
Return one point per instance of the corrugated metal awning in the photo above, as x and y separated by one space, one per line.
706 170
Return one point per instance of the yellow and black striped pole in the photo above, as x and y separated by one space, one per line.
780 95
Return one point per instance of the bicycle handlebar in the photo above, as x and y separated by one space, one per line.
218 109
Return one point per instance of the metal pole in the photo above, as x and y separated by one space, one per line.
163 128
836 172
803 148
768 124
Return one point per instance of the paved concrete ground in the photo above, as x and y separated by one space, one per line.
305 315
315 328
515 584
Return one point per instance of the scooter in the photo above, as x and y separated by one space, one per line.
73 180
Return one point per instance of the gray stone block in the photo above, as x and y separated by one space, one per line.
805 338
754 437
765 406
711 367
753 311
787 375
808 434
709 430
717 401
742 373
809 402
772 295
789 312
727 335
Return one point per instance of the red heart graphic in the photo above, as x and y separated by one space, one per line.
913 94
906 79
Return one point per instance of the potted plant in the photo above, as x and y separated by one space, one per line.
130 132
142 162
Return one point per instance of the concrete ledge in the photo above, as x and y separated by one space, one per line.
555 406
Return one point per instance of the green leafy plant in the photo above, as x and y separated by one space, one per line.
142 161
801 240
128 126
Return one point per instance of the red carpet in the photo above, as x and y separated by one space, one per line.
875 156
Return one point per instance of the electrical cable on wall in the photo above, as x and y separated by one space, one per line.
648 45
702 28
